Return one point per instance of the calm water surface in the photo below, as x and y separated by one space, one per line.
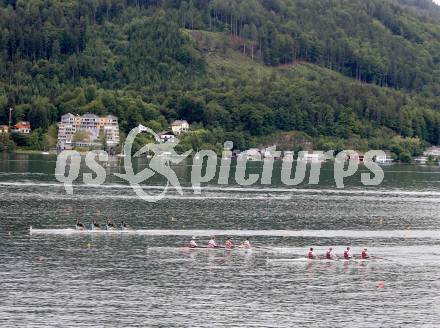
145 281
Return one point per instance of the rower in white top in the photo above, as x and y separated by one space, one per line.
192 243
95 225
110 225
212 243
79 225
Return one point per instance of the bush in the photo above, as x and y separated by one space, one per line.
11 146
405 157
20 139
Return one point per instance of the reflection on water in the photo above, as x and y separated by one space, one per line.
140 280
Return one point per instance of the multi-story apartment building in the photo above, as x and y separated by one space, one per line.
95 128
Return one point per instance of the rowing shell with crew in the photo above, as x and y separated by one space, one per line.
212 244
111 227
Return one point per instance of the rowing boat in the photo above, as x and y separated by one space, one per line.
434 234
235 249
71 231
307 260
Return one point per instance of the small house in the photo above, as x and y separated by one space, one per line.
179 126
4 129
22 127
167 137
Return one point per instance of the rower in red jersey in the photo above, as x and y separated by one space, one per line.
364 254
347 254
229 244
212 243
329 255
311 255
192 243
246 243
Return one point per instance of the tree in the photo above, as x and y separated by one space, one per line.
11 146
40 113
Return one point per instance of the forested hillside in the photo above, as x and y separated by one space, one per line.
360 73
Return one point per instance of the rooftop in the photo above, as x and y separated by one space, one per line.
179 122
89 115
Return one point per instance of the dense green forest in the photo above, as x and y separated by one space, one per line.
344 73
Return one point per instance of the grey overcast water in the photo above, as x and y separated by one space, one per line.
145 280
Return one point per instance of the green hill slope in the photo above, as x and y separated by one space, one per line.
344 72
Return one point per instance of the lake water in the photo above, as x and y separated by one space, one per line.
152 280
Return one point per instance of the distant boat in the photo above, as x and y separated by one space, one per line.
383 159
45 153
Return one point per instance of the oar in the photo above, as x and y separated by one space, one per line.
203 247
372 258
381 258
261 247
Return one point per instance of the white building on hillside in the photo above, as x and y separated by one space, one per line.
167 136
95 127
179 126
432 151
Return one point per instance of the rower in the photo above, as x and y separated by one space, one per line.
192 243
246 243
229 244
347 254
311 255
110 225
79 225
124 225
329 255
364 254
95 225
212 243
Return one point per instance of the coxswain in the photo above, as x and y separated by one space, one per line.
79 225
329 255
95 225
192 243
212 243
110 224
229 244
364 254
246 243
347 254
311 254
